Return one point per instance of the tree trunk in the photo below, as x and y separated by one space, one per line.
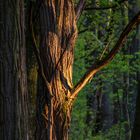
54 40
136 127
53 28
116 105
99 111
125 106
32 73
13 80
136 89
126 84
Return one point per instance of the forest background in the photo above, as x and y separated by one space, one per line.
109 109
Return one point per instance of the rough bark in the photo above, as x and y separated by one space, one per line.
13 84
55 39
53 28
32 86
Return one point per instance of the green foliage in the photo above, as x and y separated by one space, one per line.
98 30
79 111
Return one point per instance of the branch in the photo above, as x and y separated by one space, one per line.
105 8
81 5
101 64
83 31
79 8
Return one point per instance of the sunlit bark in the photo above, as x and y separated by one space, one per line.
55 40
54 32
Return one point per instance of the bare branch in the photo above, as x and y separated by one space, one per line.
105 8
84 30
105 49
101 64
79 8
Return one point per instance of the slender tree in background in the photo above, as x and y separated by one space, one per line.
136 45
126 84
13 80
136 127
98 101
54 32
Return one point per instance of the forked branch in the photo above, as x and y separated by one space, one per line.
102 63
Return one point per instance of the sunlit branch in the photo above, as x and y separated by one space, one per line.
102 63
105 49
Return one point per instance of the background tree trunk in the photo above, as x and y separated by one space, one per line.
136 126
13 80
136 48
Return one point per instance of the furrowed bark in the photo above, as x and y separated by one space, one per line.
54 33
13 80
